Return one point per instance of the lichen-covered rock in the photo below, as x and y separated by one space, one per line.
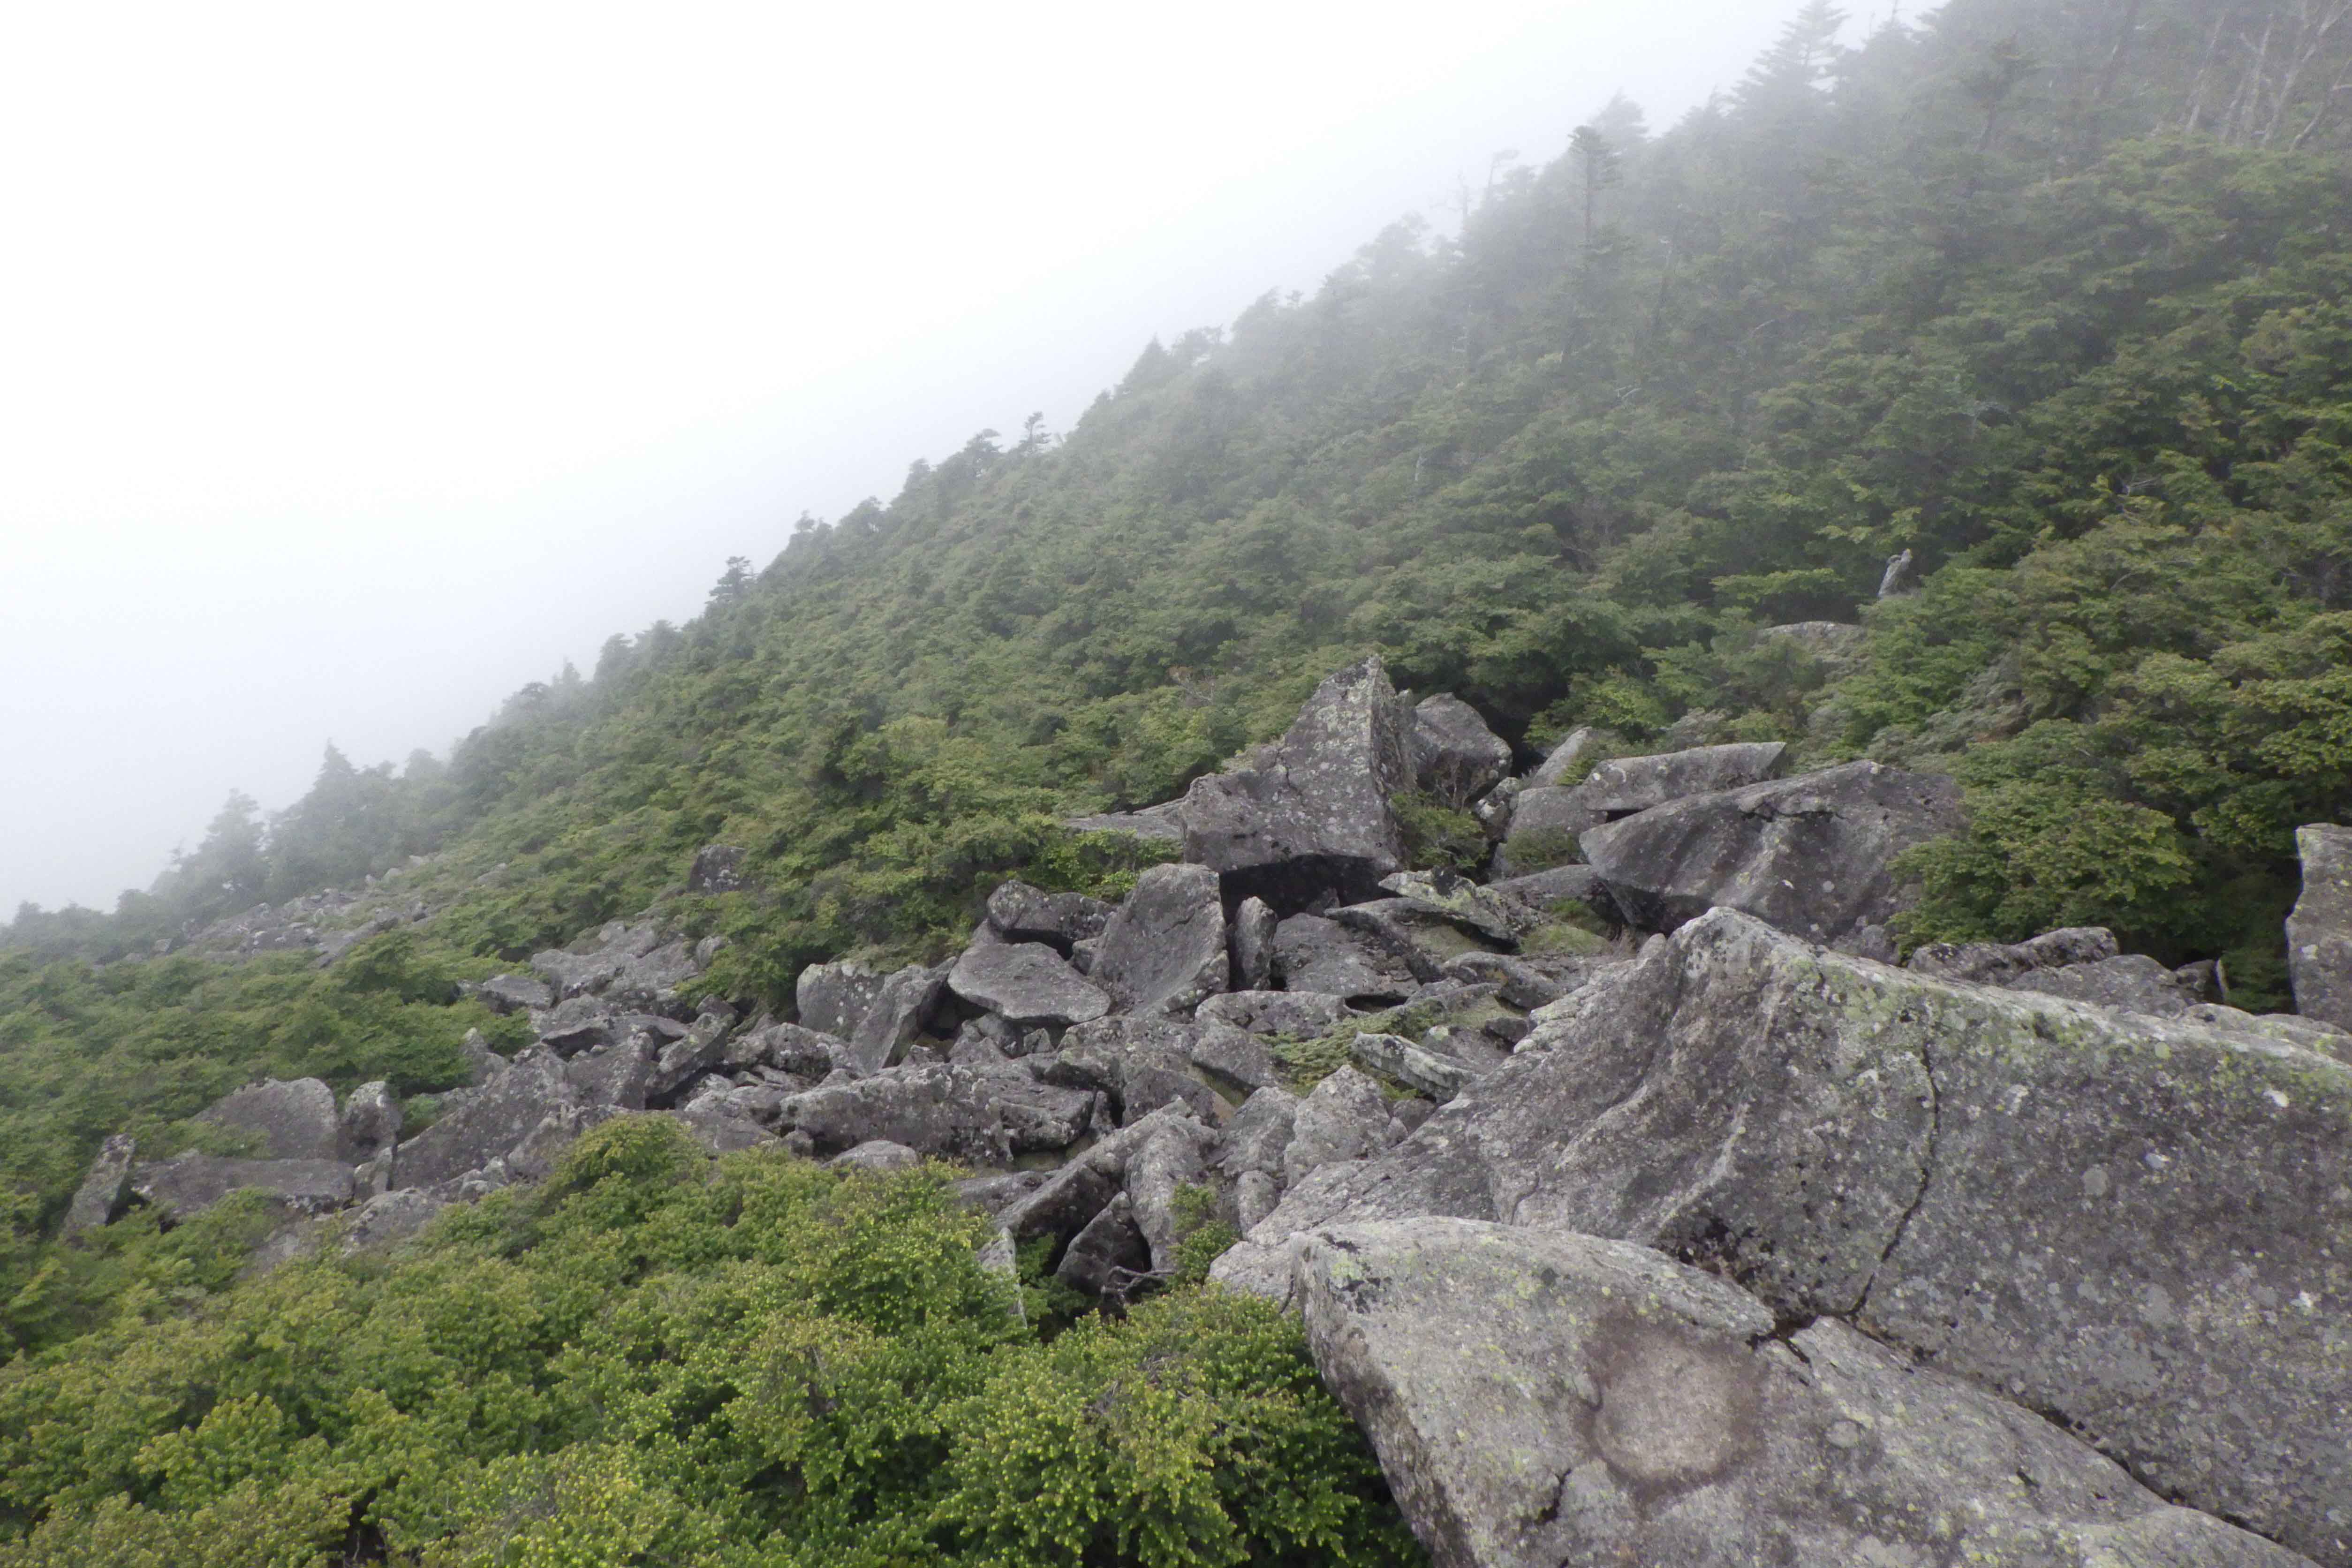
2319 932
1345 1118
786 1047
1456 758
516 994
189 1184
369 1124
1544 1400
1303 1013
2132 981
1314 812
1261 1131
877 1154
1168 1162
388 1217
1253 925
1394 1057
1566 763
834 998
1624 786
1164 951
1026 983
719 1126
1812 854
1019 912
1314 954
477 1125
949 1112
717 868
292 1119
590 964
105 1188
901 1004
1545 822
1997 963
1234 1056
2131 1223
1499 917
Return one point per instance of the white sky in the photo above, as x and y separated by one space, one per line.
359 365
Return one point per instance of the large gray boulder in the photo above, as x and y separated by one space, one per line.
591 963
479 1125
292 1119
1314 812
1566 763
105 1188
1252 935
189 1184
2132 1224
987 1116
890 1025
1164 951
1624 786
1319 955
2132 980
1302 1014
1019 912
368 1124
2319 932
1345 1117
1456 758
1539 1400
516 994
1156 1174
1997 963
1026 983
1812 854
834 998
1542 833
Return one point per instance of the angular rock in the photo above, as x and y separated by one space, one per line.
1995 963
516 994
2319 931
1394 1057
682 1061
1302 1014
1456 758
1253 942
1260 1131
650 981
1541 1400
1314 811
2134 982
189 1184
578 1024
954 1113
293 1118
1567 763
1061 1206
612 1075
877 1154
369 1123
992 1195
717 868
1233 1055
834 998
1344 1118
476 1126
1516 983
1255 1196
1164 951
2132 1224
1108 1256
1019 912
901 1004
1624 786
1545 822
1169 1161
388 1217
718 1127
482 1063
787 1048
1546 892
1311 953
1494 809
1026 983
1496 917
1810 855
590 964
105 1188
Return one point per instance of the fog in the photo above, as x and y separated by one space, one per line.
358 367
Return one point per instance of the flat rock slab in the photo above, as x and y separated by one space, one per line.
2319 932
1026 983
1314 811
191 1183
1019 912
294 1119
1558 1402
1164 951
1812 854
2134 1224
1624 785
1321 956
480 1125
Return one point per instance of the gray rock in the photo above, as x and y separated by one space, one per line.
1394 1057
1566 762
1256 1194
1158 823
189 1184
786 1047
877 1154
1345 1118
1812 854
994 1195
476 1126
2285 1027
1027 984
1312 953
1627 785
1494 809
1302 1014
1834 643
613 1075
716 868
1253 940
1061 1206
1233 1055
105 1188
388 1217
1314 812
1995 963
2319 932
1516 983
1168 1162
650 980
577 1024
1260 1132
369 1123
1019 912
681 1062
1545 891
901 1004
592 962
1499 917
2134 982
516 994
2130 1223
293 1118
834 998
1164 951
1108 1256
1545 822
1547 1400
950 1112
1456 758
1901 577
720 1127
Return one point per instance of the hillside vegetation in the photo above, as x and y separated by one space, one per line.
2050 294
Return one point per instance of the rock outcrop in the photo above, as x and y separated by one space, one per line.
2319 932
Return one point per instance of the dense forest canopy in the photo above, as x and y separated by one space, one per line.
2050 294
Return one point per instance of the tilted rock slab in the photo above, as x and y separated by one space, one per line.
1026 983
1556 1401
2319 932
1164 951
294 1117
2136 1226
1812 855
1314 810
1456 758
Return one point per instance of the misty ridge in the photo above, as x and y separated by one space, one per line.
833 1083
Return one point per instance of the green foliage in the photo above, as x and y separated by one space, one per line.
1439 836
653 1360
